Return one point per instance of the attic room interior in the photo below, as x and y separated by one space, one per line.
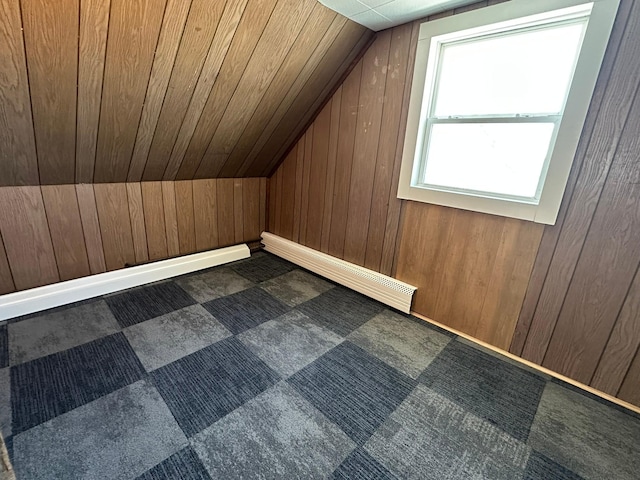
346 239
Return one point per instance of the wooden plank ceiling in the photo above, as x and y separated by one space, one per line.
148 90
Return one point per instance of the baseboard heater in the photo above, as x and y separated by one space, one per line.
385 289
62 293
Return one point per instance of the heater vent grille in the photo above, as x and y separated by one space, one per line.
385 289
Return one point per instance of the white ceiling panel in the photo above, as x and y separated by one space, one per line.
380 14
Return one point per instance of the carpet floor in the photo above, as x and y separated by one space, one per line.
259 369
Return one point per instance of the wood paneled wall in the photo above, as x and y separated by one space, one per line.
51 233
131 90
581 315
565 296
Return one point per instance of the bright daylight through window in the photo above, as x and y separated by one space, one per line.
498 102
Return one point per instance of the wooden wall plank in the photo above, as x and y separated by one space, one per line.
6 280
94 23
311 97
224 198
278 201
91 228
219 47
288 194
175 17
318 173
392 228
291 76
134 26
51 42
17 142
238 219
171 218
331 169
244 41
630 390
115 224
154 220
372 89
604 141
202 22
346 141
251 208
278 37
27 241
386 156
65 226
297 205
263 204
138 227
508 282
622 345
205 214
186 219
272 206
306 180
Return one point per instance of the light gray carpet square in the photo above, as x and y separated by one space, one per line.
296 287
274 436
165 339
216 283
120 435
54 332
400 342
430 437
289 342
5 402
590 438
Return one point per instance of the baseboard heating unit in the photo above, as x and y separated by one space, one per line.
380 287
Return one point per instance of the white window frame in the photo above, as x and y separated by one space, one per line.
504 16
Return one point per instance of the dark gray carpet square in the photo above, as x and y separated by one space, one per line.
263 268
540 467
353 389
206 385
361 466
341 310
246 309
499 392
4 346
184 465
138 305
50 386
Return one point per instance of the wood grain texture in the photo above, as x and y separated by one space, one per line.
115 225
630 390
372 95
332 159
196 39
254 20
238 219
175 17
51 42
26 237
91 228
286 84
18 159
251 208
263 204
94 23
170 218
224 200
186 219
65 226
225 32
286 201
205 209
134 26
6 280
154 220
138 227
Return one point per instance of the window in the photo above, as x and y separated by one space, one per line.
498 102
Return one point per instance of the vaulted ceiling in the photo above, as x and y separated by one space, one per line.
98 91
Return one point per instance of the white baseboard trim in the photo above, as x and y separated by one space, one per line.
49 296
